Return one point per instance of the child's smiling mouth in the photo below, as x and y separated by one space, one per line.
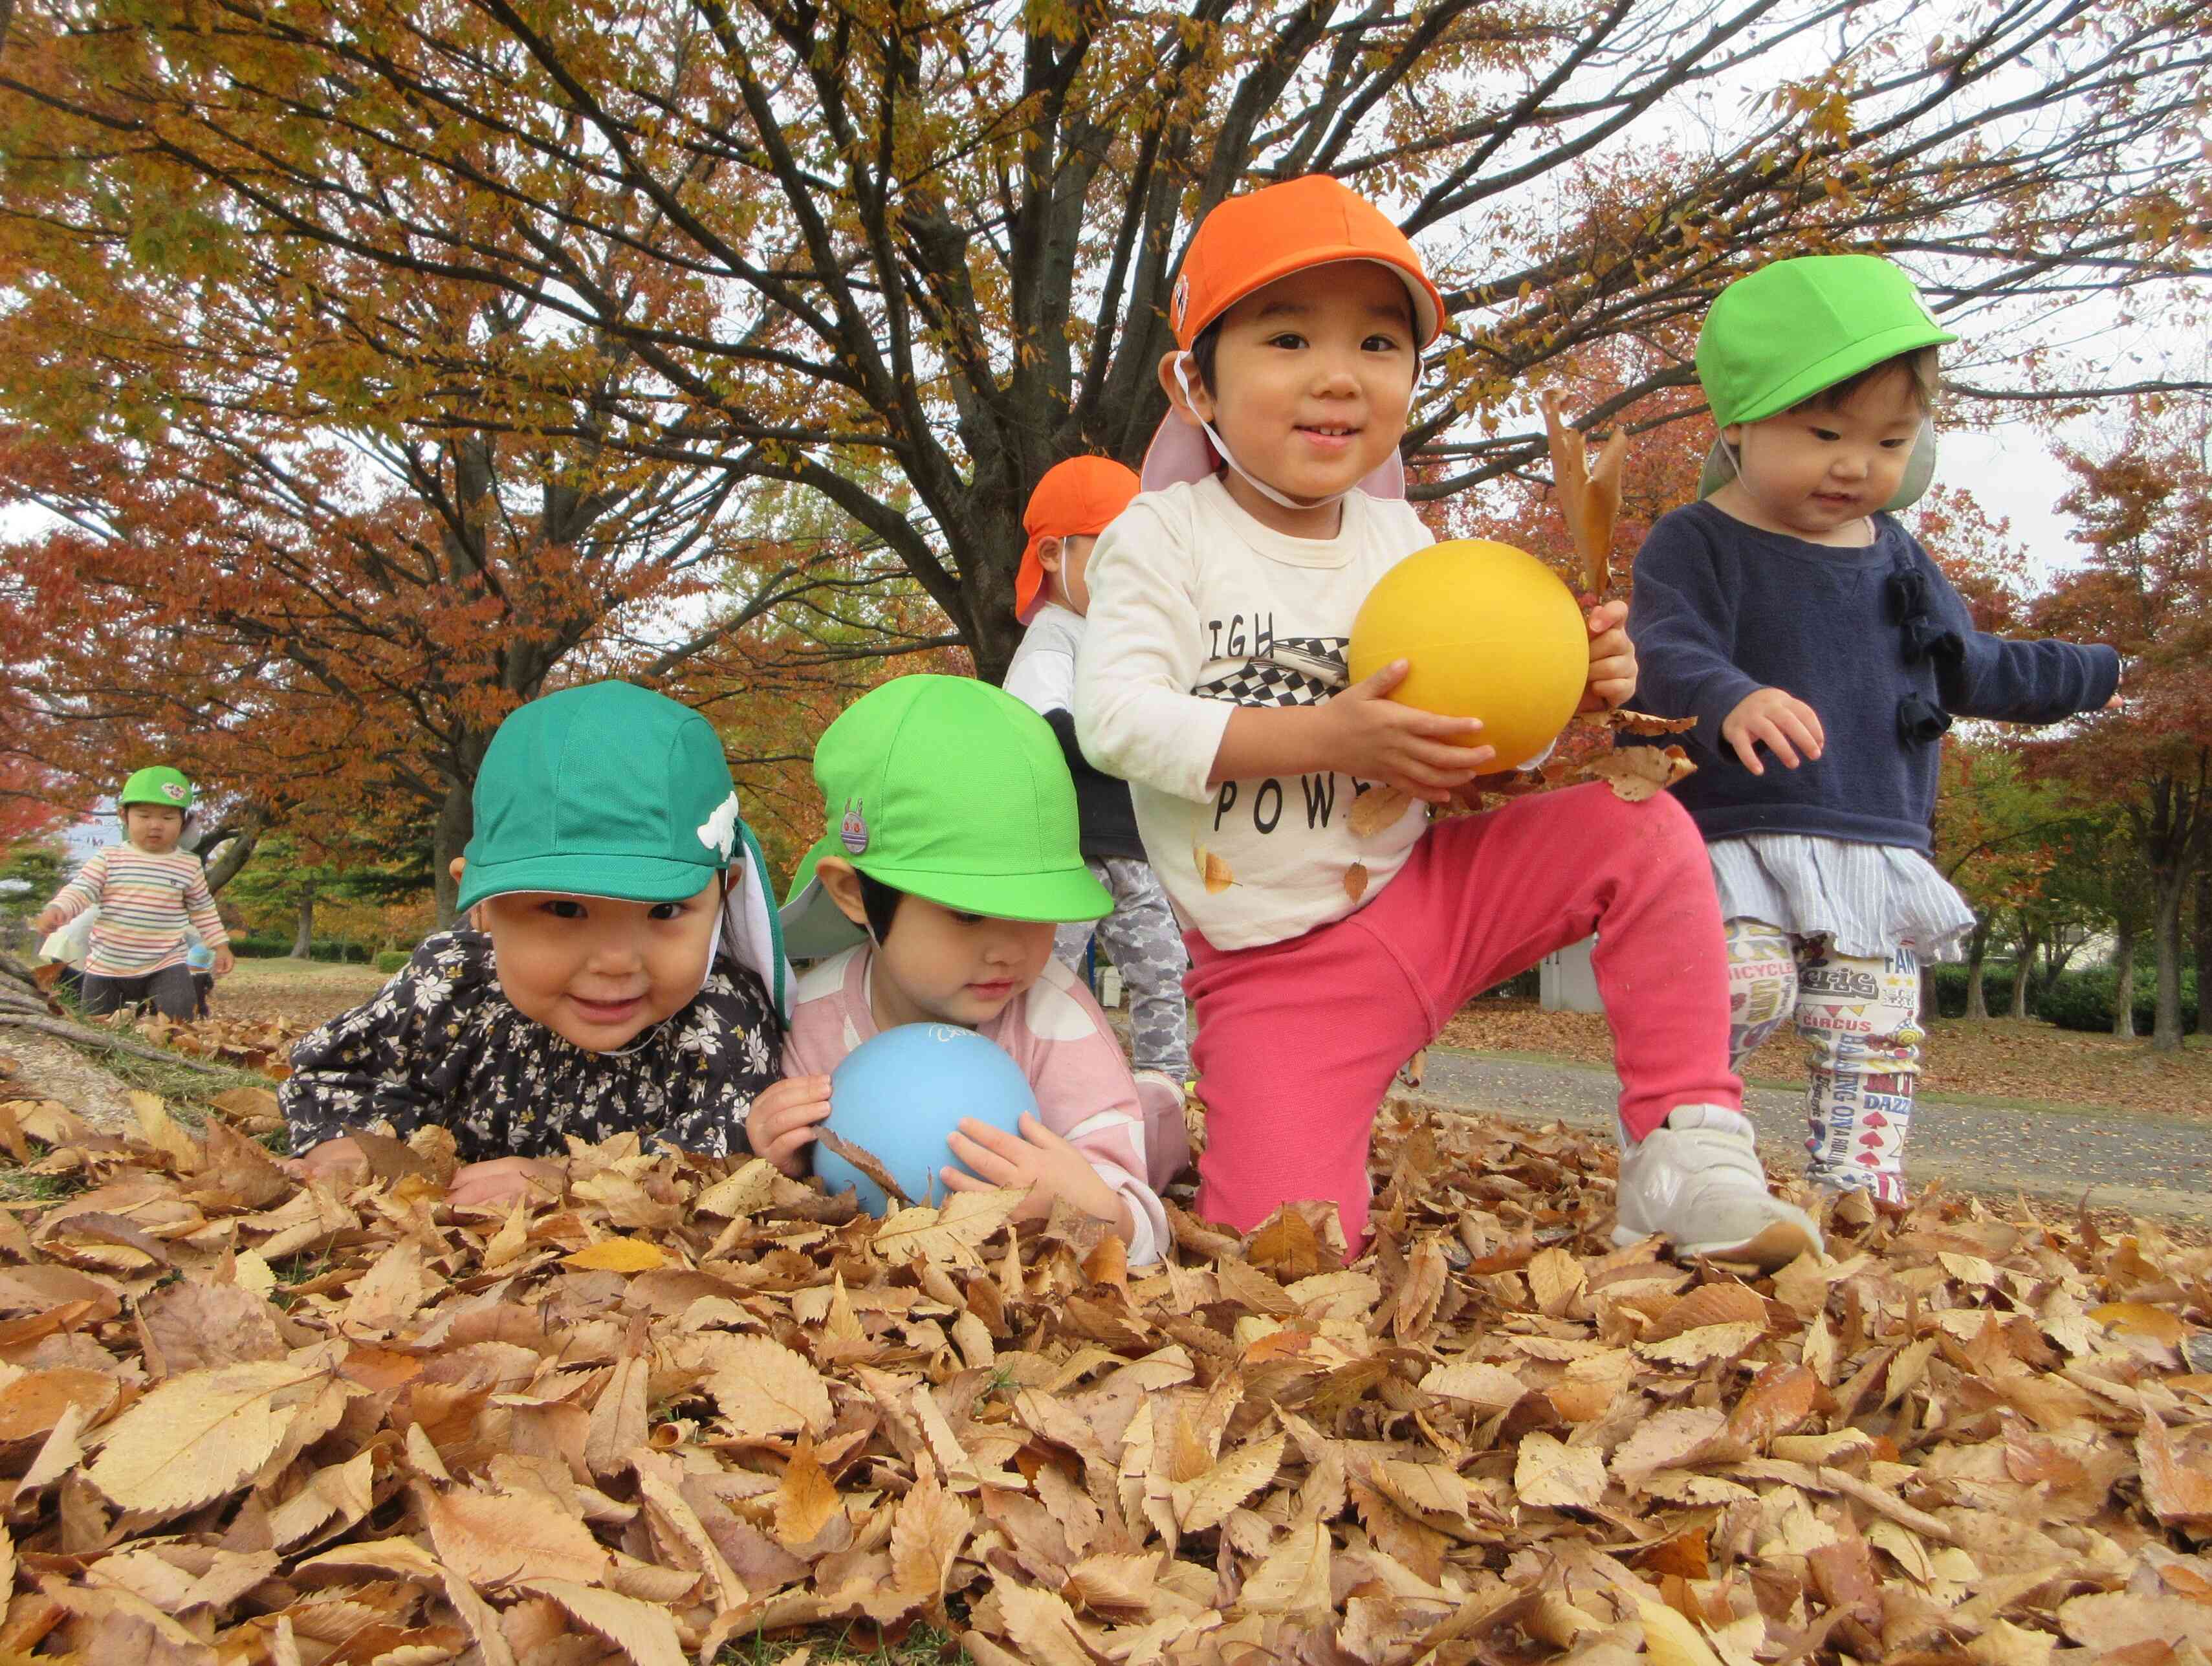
608 1011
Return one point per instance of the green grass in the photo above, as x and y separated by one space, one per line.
178 1084
925 1646
17 1186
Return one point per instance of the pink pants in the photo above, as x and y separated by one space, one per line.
1298 1041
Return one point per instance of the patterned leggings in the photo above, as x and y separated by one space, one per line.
1145 944
1862 1016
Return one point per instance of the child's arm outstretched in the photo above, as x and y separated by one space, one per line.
1682 618
75 898
2012 681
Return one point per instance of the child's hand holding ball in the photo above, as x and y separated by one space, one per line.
782 1123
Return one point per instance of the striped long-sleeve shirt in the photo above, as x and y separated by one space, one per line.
144 901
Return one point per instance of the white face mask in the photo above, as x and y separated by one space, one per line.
1183 382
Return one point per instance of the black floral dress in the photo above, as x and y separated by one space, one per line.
441 1044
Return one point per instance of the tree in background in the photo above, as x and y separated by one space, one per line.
2145 510
1995 833
824 244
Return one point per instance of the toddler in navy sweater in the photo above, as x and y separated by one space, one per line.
1804 628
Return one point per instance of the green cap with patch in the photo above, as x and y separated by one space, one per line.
604 790
1773 339
949 790
158 784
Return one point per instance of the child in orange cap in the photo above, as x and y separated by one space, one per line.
1211 677
1072 505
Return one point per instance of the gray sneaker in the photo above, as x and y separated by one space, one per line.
1696 1180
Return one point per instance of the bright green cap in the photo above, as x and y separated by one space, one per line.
606 790
158 784
953 791
1776 338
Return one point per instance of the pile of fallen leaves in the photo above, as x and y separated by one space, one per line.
688 1402
262 1045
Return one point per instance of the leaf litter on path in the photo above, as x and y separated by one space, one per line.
693 1402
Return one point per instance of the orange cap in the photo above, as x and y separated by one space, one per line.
1247 242
1077 497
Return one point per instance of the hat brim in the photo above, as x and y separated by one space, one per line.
814 926
1919 470
1428 303
1180 452
1839 366
625 878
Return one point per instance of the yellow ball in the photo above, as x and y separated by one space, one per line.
1490 632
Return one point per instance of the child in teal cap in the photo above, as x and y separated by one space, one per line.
149 895
628 975
1792 615
951 856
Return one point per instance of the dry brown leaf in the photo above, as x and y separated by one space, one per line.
1550 1472
199 1436
1636 773
1213 872
927 1533
2108 1620
1589 497
495 1539
806 1501
1293 1578
1204 1503
2141 1319
1355 881
1669 1639
1621 720
762 1387
2177 1486
644 1632
1376 809
618 1256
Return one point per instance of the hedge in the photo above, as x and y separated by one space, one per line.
253 947
2085 1001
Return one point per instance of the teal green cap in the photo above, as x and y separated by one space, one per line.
950 790
157 784
604 790
1775 338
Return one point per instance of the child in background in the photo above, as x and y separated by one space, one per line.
147 891
1788 612
200 961
1212 678
1071 506
630 977
951 856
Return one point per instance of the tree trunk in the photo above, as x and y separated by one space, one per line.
2123 980
2023 972
2169 889
236 844
2205 952
1977 951
456 821
303 934
1928 1009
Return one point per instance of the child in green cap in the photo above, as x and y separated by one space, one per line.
628 975
953 854
147 892
1801 625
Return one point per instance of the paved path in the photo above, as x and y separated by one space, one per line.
2140 1163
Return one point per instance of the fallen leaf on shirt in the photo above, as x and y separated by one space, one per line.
1215 872
1355 881
1635 773
1377 808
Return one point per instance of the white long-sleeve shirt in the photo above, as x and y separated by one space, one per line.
1196 608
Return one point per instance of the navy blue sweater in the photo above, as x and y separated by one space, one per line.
1721 609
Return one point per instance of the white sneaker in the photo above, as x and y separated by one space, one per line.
1167 1136
1696 1180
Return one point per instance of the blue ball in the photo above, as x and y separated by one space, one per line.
901 1093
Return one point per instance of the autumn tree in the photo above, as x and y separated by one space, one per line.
2144 508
